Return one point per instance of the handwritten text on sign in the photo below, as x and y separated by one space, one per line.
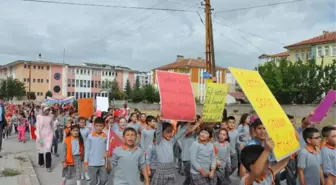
215 99
177 98
278 126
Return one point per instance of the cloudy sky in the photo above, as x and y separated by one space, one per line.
144 39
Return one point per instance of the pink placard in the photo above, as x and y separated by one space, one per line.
322 109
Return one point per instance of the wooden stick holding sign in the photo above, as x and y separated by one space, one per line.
276 122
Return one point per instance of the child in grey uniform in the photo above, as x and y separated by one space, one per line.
85 132
203 159
165 173
309 160
95 154
255 159
127 160
151 158
222 151
329 155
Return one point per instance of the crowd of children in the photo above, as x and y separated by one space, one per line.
204 153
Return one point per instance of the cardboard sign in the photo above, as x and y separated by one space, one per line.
102 103
177 98
322 110
276 122
85 107
215 99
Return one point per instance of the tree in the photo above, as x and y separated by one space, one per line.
298 82
48 94
137 84
31 95
115 93
151 94
128 89
11 88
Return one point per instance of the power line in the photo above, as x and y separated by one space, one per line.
249 33
110 6
258 6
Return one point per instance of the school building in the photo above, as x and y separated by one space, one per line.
81 81
194 67
321 47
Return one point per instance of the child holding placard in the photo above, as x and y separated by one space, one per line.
255 159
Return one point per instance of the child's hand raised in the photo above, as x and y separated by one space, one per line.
269 144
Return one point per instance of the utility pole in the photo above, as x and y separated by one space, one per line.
209 43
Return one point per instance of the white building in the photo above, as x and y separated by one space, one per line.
144 77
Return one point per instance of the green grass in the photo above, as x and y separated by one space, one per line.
21 159
9 172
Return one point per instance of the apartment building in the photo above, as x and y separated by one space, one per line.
144 77
321 48
82 81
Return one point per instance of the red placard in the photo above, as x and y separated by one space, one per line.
176 94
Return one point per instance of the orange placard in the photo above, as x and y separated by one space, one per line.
85 107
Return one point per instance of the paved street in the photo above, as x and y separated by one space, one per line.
12 146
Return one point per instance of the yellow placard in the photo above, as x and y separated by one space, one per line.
276 122
215 99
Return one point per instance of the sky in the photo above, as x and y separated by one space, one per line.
145 39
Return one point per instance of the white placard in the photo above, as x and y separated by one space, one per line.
102 103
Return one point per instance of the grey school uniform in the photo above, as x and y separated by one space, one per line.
94 155
329 160
311 165
165 172
233 135
202 156
136 126
267 181
151 158
119 132
186 141
76 169
223 156
85 132
147 136
243 134
127 164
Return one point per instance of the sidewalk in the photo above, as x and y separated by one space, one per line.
22 163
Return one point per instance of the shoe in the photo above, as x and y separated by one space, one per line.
41 166
48 170
82 177
87 177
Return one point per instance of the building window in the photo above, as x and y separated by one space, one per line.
34 80
309 56
319 51
47 80
81 83
38 81
69 94
24 79
84 83
297 57
57 76
41 67
99 84
25 66
57 89
77 71
333 50
41 80
38 67
326 51
77 83
48 67
73 83
80 95
69 82
88 83
88 95
91 95
96 84
34 67
303 57
81 71
73 94
76 95
41 93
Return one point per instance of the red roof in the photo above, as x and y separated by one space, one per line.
282 54
324 38
186 62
